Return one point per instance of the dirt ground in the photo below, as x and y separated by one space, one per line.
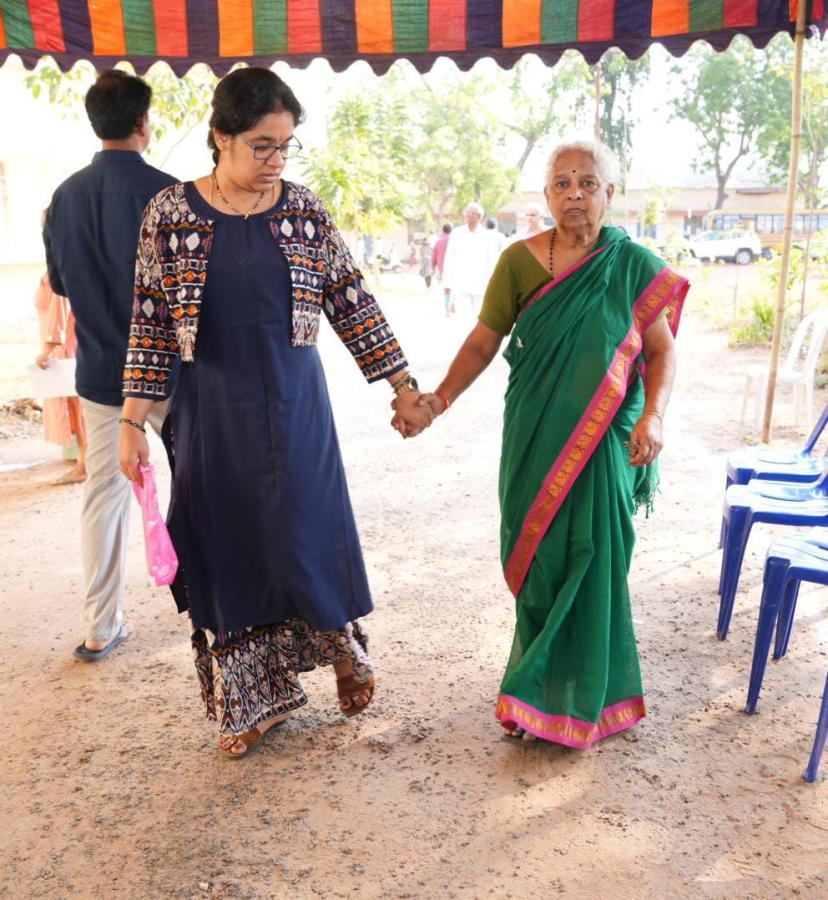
111 785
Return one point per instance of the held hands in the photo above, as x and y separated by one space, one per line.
414 412
646 440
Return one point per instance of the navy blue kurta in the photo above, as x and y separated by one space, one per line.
260 514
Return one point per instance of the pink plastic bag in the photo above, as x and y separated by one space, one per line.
162 561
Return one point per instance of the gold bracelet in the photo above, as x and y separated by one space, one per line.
125 421
657 415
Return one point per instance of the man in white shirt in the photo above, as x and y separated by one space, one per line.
534 224
470 259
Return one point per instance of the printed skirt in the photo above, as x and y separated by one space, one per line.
250 675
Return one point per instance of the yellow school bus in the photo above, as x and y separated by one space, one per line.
769 223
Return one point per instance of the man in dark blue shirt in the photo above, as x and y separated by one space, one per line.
91 235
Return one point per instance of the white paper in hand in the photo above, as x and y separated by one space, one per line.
56 381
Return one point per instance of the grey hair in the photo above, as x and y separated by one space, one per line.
475 208
605 159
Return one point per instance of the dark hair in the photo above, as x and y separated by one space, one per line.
244 96
446 228
116 103
491 223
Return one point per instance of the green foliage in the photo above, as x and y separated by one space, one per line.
545 104
774 141
363 172
459 150
727 97
757 326
178 104
619 79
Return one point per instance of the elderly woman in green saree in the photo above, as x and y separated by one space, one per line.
591 317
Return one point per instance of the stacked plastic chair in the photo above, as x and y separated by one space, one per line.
790 561
778 465
771 502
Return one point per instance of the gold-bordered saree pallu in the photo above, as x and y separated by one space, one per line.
568 492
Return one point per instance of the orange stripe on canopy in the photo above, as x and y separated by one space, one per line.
2 32
374 26
235 27
521 22
670 17
107 23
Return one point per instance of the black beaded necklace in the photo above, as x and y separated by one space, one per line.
552 252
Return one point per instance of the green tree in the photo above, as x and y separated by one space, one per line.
544 103
363 171
726 97
179 105
775 140
620 77
459 150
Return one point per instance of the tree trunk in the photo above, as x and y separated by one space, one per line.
597 124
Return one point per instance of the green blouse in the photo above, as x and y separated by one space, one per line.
517 277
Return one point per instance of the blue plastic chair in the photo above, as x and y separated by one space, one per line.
790 561
810 773
772 502
776 465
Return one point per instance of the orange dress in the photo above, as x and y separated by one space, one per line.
57 325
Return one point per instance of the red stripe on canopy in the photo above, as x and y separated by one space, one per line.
304 26
171 38
46 25
596 20
447 24
738 13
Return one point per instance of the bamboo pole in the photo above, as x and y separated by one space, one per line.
787 237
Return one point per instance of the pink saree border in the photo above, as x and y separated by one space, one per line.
562 277
666 288
568 730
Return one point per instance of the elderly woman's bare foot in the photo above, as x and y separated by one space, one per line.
237 745
354 694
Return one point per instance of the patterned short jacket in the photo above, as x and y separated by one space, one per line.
170 276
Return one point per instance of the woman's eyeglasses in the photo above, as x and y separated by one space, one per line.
265 151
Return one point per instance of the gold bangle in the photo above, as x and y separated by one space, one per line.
125 421
657 415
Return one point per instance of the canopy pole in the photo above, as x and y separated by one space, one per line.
787 237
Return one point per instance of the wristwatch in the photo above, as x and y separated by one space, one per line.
407 383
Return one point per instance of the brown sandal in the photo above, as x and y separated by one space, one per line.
249 739
349 686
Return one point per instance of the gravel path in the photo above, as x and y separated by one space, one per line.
111 785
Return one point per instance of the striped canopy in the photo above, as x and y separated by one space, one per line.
223 32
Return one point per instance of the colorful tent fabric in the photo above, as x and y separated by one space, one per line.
223 32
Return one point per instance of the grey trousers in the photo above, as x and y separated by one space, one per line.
105 519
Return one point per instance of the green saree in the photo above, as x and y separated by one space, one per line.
568 492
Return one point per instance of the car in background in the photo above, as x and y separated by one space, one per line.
741 247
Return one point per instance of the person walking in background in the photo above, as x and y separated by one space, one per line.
470 259
438 259
496 236
91 232
533 226
63 421
424 251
